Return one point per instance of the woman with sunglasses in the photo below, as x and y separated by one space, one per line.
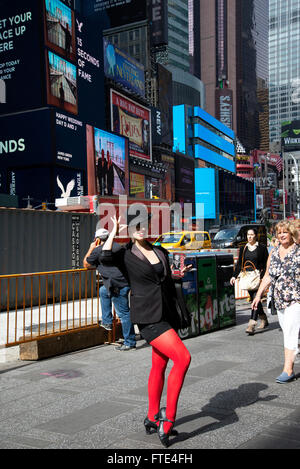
153 303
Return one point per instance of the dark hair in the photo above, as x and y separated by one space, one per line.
254 231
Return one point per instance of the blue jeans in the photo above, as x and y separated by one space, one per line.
122 309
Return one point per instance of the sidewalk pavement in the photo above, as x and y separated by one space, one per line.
97 398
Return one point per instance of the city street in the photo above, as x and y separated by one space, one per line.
97 398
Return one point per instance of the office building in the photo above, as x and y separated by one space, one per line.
284 65
234 65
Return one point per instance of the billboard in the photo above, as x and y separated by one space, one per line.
137 185
184 179
158 23
26 139
165 99
205 193
107 162
20 56
237 196
118 12
132 120
290 135
45 184
224 106
123 69
59 29
61 83
32 144
179 129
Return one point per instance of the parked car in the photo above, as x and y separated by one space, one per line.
184 240
235 236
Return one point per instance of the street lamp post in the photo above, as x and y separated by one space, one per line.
297 183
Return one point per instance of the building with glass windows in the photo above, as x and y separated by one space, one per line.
284 65
233 39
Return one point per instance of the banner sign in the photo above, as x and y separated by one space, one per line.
20 56
123 69
290 135
133 121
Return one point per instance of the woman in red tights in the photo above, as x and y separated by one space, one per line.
152 305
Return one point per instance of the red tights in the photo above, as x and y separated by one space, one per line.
167 346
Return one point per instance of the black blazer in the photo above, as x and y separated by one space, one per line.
150 295
262 256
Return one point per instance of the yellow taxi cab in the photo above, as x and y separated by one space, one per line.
184 240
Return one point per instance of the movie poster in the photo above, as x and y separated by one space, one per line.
133 121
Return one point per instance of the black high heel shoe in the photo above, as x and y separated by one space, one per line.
150 424
164 437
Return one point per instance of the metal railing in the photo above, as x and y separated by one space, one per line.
37 305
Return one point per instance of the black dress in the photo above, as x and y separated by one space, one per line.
150 332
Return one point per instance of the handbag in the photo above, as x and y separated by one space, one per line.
271 305
249 279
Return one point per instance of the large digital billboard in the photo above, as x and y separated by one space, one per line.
237 196
107 162
205 193
20 56
184 179
36 144
123 69
60 28
290 135
61 83
132 120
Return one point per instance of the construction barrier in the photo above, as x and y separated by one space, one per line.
66 300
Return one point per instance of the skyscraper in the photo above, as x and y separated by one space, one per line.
284 64
234 63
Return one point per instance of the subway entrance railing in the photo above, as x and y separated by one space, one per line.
43 304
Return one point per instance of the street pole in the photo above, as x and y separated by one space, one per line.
297 183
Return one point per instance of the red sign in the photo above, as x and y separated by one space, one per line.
133 121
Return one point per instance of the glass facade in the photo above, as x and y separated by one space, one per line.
178 29
252 68
284 64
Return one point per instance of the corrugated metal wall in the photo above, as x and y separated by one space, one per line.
42 241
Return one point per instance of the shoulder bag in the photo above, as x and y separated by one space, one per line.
249 279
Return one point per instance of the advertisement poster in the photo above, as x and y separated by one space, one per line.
133 121
137 185
25 139
61 83
107 162
20 56
290 135
70 139
60 29
123 69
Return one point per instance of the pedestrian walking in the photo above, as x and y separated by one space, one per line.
296 225
253 257
115 290
155 309
283 274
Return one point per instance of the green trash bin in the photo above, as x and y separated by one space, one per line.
207 293
226 296
189 290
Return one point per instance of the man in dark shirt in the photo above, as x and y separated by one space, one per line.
115 290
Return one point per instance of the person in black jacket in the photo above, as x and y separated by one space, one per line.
257 254
153 307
